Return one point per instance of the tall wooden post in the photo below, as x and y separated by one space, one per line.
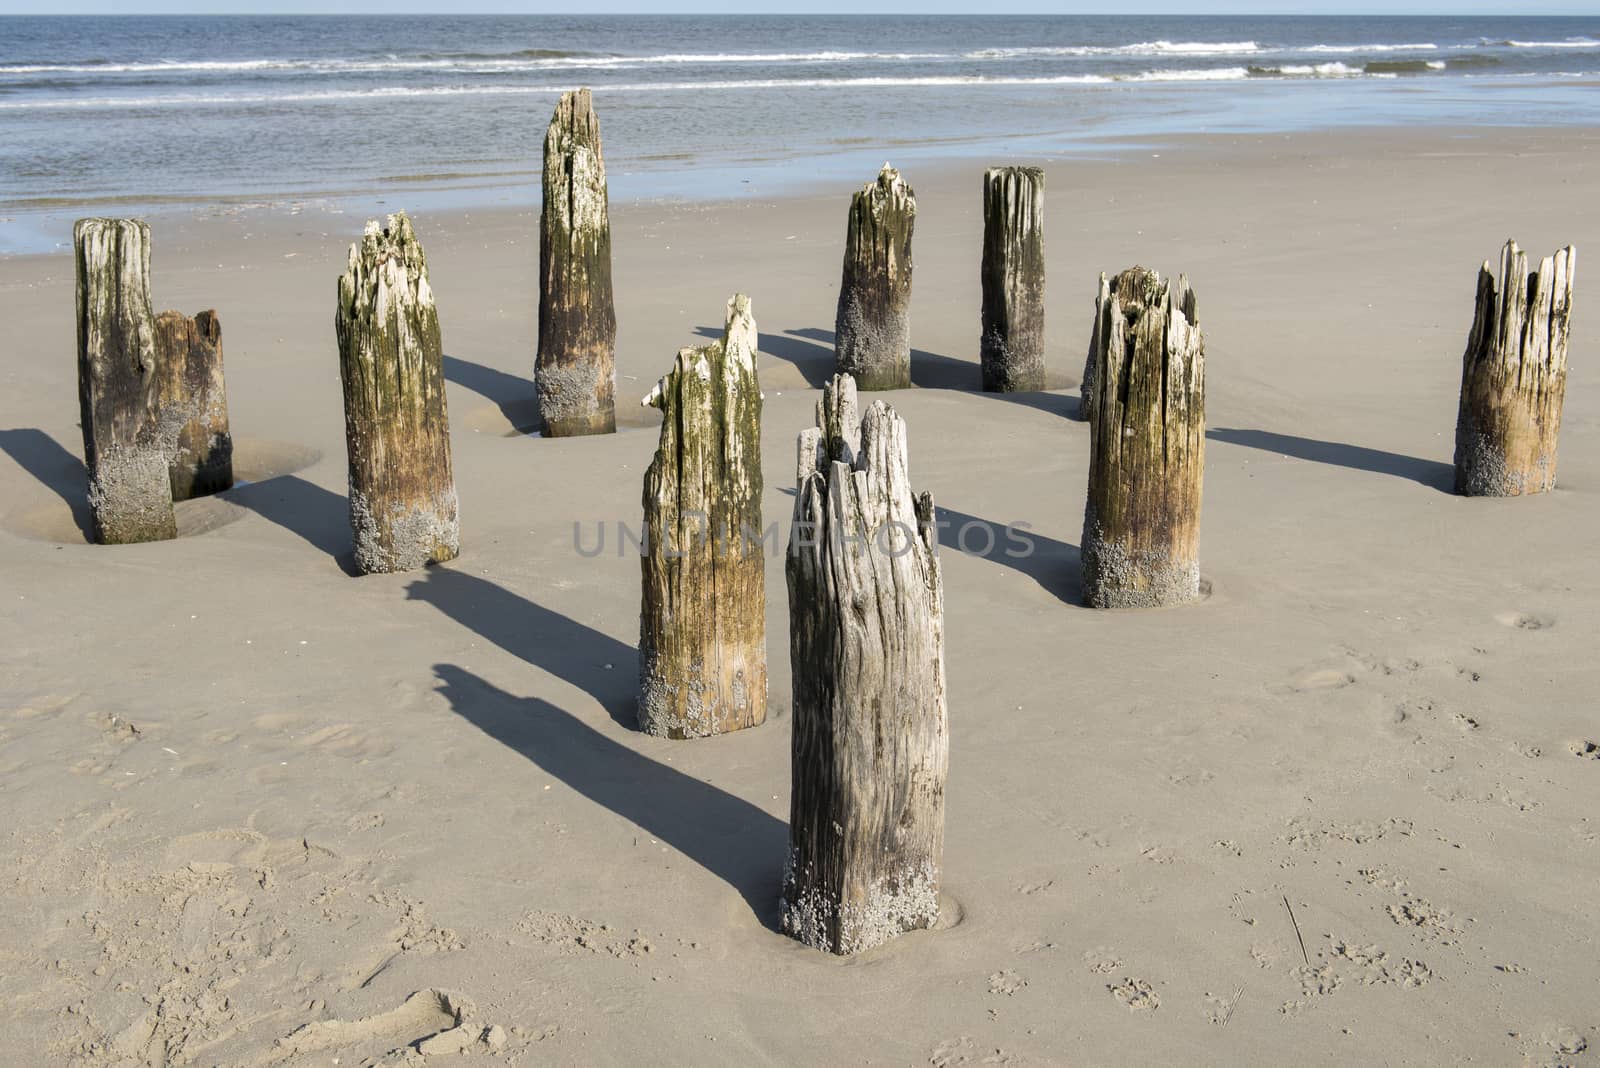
1514 376
402 491
193 403
702 625
576 368
872 330
1011 349
1147 430
130 494
870 745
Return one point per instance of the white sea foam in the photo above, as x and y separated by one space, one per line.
1570 42
1355 48
1143 48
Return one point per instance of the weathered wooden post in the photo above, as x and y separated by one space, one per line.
397 429
1514 377
130 494
872 330
1011 349
870 745
193 403
702 626
575 371
1147 430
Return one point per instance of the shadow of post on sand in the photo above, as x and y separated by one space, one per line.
594 662
55 467
1431 473
727 835
320 516
512 394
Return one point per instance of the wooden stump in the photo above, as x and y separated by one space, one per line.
1011 349
1514 377
872 330
193 403
397 429
1147 431
576 367
870 745
130 493
702 626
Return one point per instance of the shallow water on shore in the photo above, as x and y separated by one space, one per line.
101 113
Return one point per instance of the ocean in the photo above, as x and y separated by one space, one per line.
97 112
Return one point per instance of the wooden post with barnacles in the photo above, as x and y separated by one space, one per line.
575 372
702 624
403 509
130 493
1011 347
1514 376
1145 402
870 744
872 330
193 403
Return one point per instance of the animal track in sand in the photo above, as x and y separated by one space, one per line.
1135 995
1585 750
961 1050
1006 982
1101 960
1525 620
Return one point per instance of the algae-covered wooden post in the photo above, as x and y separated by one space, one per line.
1011 348
397 429
870 744
130 494
1514 377
872 330
193 403
575 372
1147 427
702 624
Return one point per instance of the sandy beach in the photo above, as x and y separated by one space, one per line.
1341 812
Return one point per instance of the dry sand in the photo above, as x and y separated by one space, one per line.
244 792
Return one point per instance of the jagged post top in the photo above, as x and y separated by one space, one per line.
889 189
1034 174
738 343
574 123
1544 303
1139 289
376 262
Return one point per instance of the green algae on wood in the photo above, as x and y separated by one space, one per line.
403 510
193 403
1011 345
702 623
870 745
130 493
872 328
1514 376
1144 398
575 370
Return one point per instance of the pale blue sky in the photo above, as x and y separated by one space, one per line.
1287 7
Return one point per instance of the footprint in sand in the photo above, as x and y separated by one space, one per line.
1312 679
1525 620
1586 750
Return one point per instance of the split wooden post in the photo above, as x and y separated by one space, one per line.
130 494
870 744
575 371
403 509
1145 402
872 330
1514 376
193 403
702 625
1011 349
